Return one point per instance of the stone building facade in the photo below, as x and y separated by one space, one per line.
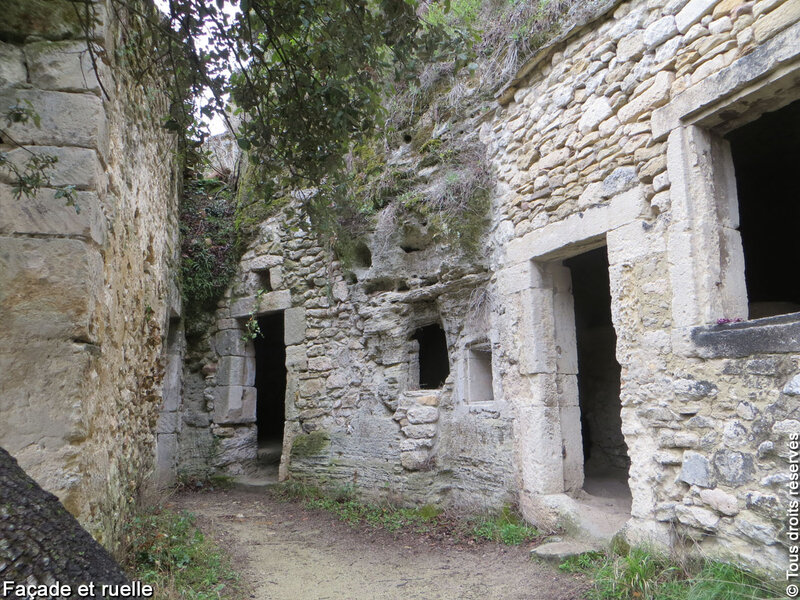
86 293
608 345
628 338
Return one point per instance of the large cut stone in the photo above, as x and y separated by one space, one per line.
63 66
65 119
234 404
48 215
422 414
48 289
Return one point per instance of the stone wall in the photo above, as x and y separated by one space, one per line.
614 138
354 410
611 137
85 292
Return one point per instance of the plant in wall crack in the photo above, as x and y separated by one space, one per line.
251 328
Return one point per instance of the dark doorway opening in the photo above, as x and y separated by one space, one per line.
604 450
766 155
434 364
271 387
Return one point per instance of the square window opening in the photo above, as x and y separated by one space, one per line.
479 374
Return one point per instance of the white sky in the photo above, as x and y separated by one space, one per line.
215 125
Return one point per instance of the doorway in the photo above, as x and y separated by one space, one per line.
270 352
605 454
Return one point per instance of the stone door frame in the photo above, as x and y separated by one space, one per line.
537 289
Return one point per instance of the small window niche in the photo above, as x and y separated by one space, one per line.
429 361
479 374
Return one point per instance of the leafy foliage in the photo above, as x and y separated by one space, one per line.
165 548
209 250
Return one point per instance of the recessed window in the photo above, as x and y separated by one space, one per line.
479 374
766 156
434 363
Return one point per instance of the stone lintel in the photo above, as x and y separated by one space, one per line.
579 232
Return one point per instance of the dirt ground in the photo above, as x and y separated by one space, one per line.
285 552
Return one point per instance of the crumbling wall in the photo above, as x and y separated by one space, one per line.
612 139
85 292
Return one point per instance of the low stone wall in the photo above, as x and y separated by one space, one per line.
86 291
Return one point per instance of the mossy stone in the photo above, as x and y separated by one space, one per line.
311 444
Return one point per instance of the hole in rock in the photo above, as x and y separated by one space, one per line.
434 363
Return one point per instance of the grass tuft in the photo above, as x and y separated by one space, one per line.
642 574
506 527
165 549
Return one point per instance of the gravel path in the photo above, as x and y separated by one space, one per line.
285 552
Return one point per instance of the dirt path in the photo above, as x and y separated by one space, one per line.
285 552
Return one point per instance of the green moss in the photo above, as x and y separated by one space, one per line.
50 19
310 444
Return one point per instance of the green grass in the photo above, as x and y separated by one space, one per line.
165 549
645 575
342 502
506 527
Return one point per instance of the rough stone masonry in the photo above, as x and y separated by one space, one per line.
615 143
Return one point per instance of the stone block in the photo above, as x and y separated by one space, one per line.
619 180
63 66
696 470
75 166
420 431
236 370
654 96
167 422
265 262
631 47
660 31
792 387
732 467
297 357
422 414
294 325
41 381
66 119
48 288
776 21
692 13
166 455
234 404
12 66
45 214
230 342
694 516
720 501
596 112
416 460
412 445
